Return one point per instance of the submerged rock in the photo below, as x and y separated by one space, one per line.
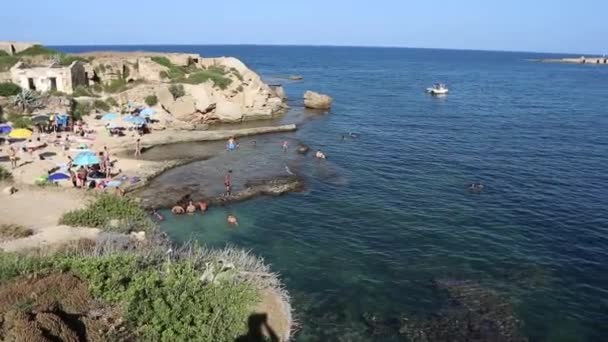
315 100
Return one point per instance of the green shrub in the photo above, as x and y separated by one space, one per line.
151 100
3 53
236 74
239 88
80 109
101 105
38 50
116 86
112 102
82 91
5 175
106 208
97 88
177 90
66 60
217 69
20 121
9 89
7 62
163 74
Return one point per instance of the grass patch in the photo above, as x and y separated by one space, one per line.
101 105
174 71
7 62
5 175
83 91
110 213
38 50
14 231
9 89
115 86
219 80
112 102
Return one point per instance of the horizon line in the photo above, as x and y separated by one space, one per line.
317 46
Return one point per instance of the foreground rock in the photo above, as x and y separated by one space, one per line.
315 100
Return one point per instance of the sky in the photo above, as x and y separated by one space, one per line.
566 26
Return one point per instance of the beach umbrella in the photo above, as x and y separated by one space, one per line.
20 133
58 176
109 117
40 119
147 112
86 158
5 129
135 120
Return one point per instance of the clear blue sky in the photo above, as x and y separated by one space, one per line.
530 25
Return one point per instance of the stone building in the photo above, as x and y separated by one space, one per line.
52 77
12 47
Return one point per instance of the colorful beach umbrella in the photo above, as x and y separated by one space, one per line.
109 116
135 120
58 176
86 158
147 112
20 133
5 129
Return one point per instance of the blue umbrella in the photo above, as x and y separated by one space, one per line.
135 120
58 176
5 129
147 112
86 158
109 117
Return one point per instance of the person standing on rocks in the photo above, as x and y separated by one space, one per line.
228 182
138 148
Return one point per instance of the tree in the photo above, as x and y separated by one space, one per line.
151 100
27 100
9 89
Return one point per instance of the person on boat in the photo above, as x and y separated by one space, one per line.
232 220
203 205
228 182
191 208
320 155
177 210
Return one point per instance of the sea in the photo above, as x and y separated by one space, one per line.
390 214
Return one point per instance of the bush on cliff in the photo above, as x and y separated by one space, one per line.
177 90
151 100
161 295
101 105
174 71
20 121
9 89
38 50
7 62
116 86
80 109
5 175
218 79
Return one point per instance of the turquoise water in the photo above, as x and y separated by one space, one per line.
398 215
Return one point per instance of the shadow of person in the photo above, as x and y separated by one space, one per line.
257 324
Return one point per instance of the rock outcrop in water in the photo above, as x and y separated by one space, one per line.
470 313
315 100
274 186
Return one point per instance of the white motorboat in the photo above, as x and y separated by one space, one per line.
438 89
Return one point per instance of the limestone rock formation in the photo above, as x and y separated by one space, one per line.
315 100
227 111
184 109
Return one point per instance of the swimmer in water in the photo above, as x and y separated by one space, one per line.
232 220
320 155
177 210
190 208
231 145
203 205
476 187
285 146
157 215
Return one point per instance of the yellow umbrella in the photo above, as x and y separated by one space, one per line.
20 133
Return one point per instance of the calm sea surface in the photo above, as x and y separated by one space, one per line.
389 212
